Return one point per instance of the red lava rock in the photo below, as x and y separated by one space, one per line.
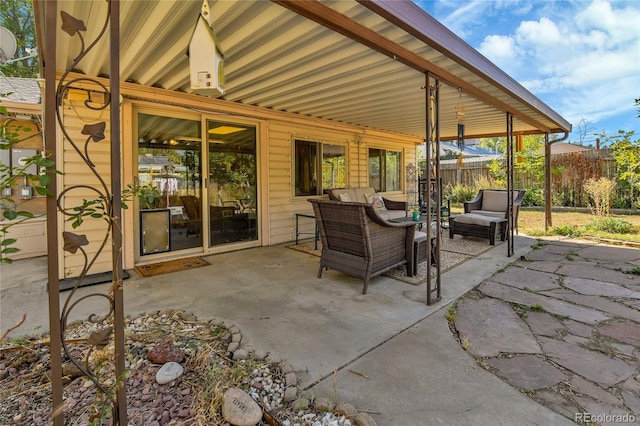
165 352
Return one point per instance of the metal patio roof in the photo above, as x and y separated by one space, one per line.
357 62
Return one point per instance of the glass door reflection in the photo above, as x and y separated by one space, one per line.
169 173
232 189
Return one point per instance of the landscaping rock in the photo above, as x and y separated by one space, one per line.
323 404
169 372
346 409
364 419
164 353
239 409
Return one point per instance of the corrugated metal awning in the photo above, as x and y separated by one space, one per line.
277 58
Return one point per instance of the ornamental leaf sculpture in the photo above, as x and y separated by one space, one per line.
71 25
95 131
72 242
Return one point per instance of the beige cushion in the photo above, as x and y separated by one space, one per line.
360 194
500 215
391 214
496 201
475 219
344 196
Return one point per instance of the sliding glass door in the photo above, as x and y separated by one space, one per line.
194 196
232 186
169 174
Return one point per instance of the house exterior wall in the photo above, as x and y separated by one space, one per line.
276 133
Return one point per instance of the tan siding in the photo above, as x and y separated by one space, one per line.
76 172
282 204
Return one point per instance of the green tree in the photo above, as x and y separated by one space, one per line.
495 144
626 152
17 17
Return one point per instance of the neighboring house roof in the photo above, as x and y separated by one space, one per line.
565 148
361 63
17 89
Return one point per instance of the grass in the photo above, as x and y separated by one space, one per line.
577 223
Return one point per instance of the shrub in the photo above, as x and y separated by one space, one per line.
533 197
601 192
611 225
566 230
461 193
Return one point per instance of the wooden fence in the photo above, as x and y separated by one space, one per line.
595 163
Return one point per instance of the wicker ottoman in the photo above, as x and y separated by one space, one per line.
420 250
477 225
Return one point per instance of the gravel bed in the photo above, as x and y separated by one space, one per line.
214 361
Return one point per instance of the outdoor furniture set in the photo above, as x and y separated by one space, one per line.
365 235
486 215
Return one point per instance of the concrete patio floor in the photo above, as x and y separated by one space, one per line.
417 373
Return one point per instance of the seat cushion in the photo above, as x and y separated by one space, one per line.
360 194
494 200
391 214
500 215
475 219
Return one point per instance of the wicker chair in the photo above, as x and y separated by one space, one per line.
358 242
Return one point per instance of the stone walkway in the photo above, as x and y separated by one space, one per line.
563 326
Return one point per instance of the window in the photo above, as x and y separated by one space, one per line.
318 167
384 170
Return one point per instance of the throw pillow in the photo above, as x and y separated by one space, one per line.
345 197
376 201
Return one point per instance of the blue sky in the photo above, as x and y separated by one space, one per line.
580 57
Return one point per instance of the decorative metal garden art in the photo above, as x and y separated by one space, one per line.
109 381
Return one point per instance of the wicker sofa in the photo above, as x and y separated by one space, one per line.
390 210
358 242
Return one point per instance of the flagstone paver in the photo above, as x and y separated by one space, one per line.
623 332
599 288
492 327
585 387
631 401
524 278
543 265
612 253
555 306
544 324
578 328
593 365
527 371
589 328
600 409
596 302
558 403
592 271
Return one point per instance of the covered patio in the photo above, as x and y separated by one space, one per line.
352 79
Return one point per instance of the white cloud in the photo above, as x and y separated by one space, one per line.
582 58
497 47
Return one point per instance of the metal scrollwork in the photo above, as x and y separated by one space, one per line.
101 206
